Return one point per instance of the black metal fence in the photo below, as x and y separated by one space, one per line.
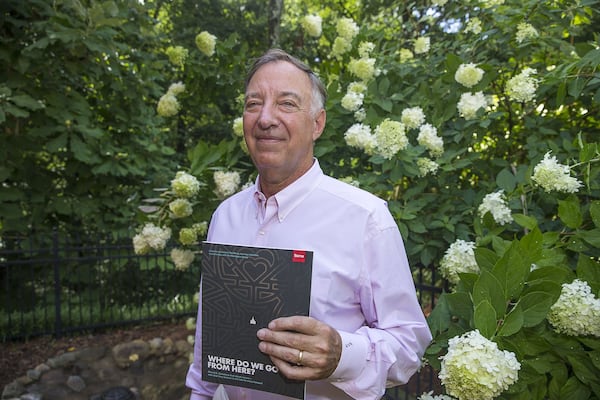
60 284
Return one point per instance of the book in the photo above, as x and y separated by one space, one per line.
243 289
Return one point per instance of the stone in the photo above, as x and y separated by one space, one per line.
127 353
62 360
32 396
117 393
13 389
75 383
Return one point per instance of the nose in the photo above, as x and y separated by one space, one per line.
267 117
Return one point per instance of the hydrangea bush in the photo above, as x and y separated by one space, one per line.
477 122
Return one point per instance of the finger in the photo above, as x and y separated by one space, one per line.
296 323
291 355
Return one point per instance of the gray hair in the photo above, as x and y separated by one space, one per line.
319 94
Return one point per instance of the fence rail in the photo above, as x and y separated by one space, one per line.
67 284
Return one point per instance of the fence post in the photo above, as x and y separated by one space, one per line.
57 297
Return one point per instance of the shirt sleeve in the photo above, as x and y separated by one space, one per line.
387 350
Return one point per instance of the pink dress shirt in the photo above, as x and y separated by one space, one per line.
362 284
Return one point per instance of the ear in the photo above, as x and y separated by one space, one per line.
320 120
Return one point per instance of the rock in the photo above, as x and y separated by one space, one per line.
31 396
127 353
76 383
62 360
13 389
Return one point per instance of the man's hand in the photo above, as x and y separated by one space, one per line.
302 348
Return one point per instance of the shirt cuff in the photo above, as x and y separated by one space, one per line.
355 351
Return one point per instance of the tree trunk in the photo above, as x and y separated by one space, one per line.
275 10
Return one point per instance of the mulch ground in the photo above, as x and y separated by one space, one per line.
18 357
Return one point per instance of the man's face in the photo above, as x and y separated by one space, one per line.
279 125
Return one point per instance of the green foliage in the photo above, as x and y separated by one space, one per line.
78 127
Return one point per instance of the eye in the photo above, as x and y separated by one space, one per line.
252 105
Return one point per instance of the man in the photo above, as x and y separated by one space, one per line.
366 329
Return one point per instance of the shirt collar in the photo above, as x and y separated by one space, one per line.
289 197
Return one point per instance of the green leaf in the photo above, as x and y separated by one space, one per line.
485 258
591 237
485 319
488 288
460 305
583 368
440 316
574 390
506 180
569 212
511 271
513 322
535 306
595 212
525 221
26 101
589 271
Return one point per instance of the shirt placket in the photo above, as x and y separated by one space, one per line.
270 217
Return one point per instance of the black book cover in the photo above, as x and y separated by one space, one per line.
243 289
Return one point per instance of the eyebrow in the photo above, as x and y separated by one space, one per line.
255 95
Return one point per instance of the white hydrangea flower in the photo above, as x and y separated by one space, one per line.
363 68
360 115
470 103
360 136
190 324
176 88
181 208
468 74
340 47
365 49
177 55
459 258
238 127
357 87
347 28
182 258
227 183
422 45
474 26
522 87
188 236
426 166
525 31
430 396
551 175
168 105
577 310
201 228
390 137
206 43
352 101
412 117
406 55
495 203
185 185
475 368
491 3
312 24
429 139
151 237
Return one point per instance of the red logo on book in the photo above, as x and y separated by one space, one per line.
298 256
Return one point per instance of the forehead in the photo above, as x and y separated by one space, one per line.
279 77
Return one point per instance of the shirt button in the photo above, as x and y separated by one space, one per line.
261 232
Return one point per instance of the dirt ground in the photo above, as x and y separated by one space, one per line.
18 357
